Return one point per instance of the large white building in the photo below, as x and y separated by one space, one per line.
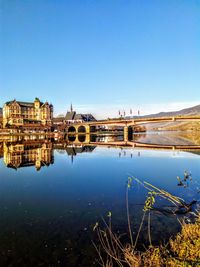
17 113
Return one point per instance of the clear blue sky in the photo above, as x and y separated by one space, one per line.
100 55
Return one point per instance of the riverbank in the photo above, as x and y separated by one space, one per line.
183 250
177 126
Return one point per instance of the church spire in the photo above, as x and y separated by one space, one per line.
71 107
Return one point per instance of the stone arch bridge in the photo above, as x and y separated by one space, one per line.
89 127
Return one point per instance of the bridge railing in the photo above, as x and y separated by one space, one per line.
139 119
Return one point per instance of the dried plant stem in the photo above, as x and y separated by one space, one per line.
128 217
112 236
165 194
149 228
117 254
139 230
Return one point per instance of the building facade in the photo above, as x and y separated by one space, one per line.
1 118
17 113
73 117
60 123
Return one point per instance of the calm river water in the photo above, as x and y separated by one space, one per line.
52 193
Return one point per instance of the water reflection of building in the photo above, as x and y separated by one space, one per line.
1 118
28 154
77 150
1 150
73 150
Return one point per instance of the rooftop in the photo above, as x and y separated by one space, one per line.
72 115
27 104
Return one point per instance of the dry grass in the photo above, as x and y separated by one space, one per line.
181 251
186 246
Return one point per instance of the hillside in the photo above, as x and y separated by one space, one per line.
183 112
174 126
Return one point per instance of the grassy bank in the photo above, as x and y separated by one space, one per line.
181 251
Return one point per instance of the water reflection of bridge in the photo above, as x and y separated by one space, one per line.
118 141
133 144
87 140
19 153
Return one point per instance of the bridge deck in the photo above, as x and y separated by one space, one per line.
135 121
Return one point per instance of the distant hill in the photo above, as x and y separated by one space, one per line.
174 126
183 112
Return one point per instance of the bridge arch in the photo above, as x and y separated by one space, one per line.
130 132
81 129
71 129
71 138
92 129
81 138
